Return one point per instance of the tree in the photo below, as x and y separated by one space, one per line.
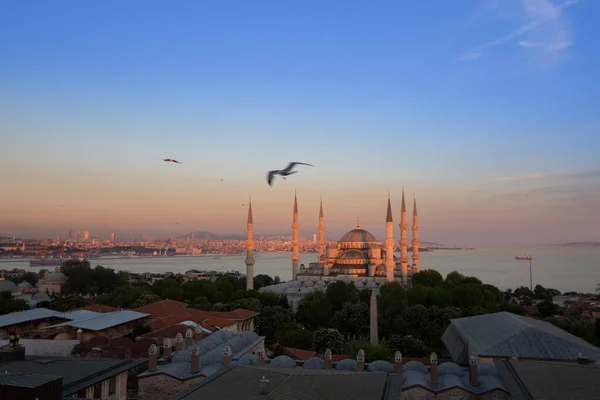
146 298
261 280
408 345
340 292
454 278
79 276
352 319
419 294
474 311
247 304
428 277
8 304
296 338
391 305
314 311
271 319
328 338
547 308
29 277
523 291
67 302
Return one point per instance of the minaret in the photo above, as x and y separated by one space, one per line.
415 242
321 232
250 251
403 242
295 249
390 265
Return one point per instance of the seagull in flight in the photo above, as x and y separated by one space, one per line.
171 160
289 170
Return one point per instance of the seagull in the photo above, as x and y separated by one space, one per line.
284 172
171 160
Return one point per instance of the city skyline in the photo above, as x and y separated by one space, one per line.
483 108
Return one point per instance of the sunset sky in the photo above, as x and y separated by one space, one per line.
488 110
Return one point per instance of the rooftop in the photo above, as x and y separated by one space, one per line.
101 321
504 334
28 315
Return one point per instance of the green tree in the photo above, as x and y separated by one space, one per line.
547 308
391 305
352 319
408 345
261 280
29 277
428 277
79 276
296 338
145 299
271 319
419 294
328 338
67 302
340 292
247 304
454 278
314 311
8 304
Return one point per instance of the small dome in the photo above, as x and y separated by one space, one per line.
25 285
249 359
8 286
449 368
283 362
371 285
359 285
346 365
314 363
40 296
56 277
352 254
381 366
415 366
359 235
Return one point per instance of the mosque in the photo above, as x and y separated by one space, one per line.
358 257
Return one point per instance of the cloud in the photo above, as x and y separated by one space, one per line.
545 28
593 173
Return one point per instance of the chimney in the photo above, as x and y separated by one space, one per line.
167 348
14 351
360 361
260 357
152 357
264 385
328 359
178 342
473 377
79 334
398 360
433 361
189 337
227 356
195 360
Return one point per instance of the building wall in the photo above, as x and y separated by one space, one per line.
494 395
417 393
455 394
161 387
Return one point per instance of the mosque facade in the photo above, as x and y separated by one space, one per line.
357 257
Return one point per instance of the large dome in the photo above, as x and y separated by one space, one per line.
8 286
358 235
56 276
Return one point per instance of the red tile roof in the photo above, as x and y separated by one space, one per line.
212 323
299 354
168 332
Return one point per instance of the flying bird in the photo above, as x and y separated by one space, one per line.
289 170
171 160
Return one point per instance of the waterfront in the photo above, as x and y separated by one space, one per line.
562 267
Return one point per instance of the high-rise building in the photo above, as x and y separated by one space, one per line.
112 237
315 238
77 237
70 234
86 235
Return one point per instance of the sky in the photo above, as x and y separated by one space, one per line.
486 109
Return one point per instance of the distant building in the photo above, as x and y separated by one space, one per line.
52 282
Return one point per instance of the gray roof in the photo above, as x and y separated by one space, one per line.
103 321
26 380
76 373
79 315
287 385
211 354
338 383
45 347
24 316
504 334
544 380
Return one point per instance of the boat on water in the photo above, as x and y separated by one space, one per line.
523 258
45 262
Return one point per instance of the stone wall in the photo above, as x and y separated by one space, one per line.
161 387
455 394
417 393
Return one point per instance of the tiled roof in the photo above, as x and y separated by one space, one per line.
100 308
104 321
76 373
557 380
26 380
168 332
509 335
24 316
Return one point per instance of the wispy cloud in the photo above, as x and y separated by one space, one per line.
545 29
593 173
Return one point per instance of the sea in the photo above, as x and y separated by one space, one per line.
566 268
